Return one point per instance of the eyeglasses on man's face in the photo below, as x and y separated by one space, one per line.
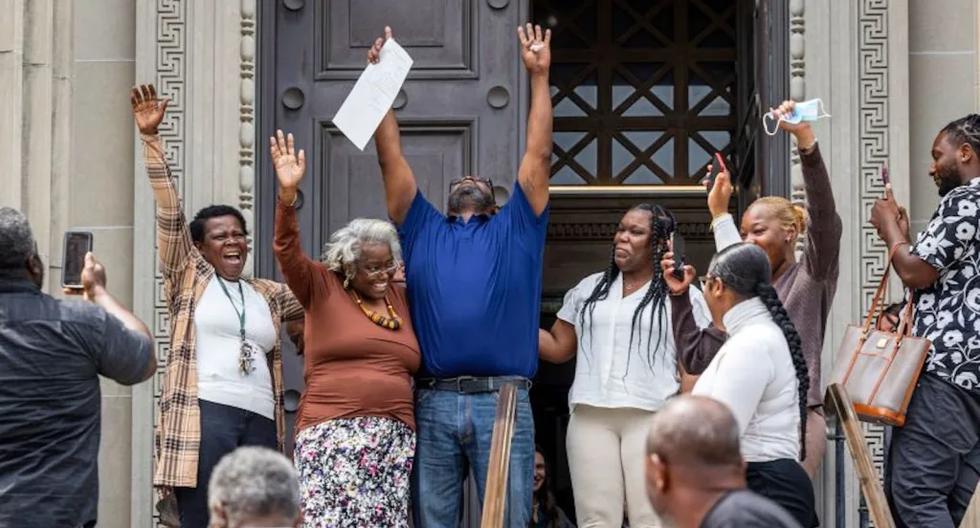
455 182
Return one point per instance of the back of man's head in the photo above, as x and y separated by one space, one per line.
16 240
253 485
692 456
697 431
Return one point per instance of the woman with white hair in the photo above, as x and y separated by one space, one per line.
355 438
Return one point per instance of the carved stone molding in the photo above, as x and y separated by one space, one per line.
604 231
246 137
873 151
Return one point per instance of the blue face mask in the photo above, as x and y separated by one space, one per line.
803 111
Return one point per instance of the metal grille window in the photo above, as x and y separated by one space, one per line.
643 91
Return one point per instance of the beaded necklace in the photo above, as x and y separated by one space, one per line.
390 321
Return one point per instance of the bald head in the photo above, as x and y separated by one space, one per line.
694 430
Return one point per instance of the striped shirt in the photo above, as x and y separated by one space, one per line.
186 275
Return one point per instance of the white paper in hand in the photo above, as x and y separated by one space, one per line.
373 94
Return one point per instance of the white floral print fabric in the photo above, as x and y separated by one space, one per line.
948 312
355 472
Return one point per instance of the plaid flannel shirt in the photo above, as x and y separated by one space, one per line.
186 275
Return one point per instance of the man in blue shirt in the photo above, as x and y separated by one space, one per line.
474 282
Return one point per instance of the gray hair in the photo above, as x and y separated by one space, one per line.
254 482
344 248
16 239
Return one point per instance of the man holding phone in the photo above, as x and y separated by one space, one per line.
51 356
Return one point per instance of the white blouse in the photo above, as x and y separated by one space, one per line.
610 372
754 376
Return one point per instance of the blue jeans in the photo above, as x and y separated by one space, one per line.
453 435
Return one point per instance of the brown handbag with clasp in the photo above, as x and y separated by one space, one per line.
880 369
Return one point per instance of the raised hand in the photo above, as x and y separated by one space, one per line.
93 279
675 285
721 192
148 109
374 54
290 166
889 219
802 130
535 48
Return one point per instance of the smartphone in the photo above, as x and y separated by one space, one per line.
717 165
77 244
885 178
678 247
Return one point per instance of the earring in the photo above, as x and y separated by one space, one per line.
347 282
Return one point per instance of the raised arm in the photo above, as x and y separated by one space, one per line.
892 223
295 265
696 346
399 181
173 235
824 228
535 169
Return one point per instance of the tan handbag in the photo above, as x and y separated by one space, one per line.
880 369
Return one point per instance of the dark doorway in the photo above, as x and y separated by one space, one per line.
644 93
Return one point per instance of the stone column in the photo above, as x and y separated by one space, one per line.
857 62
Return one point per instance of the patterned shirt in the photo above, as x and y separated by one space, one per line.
948 312
186 275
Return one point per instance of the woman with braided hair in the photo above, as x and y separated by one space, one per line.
806 284
760 373
618 325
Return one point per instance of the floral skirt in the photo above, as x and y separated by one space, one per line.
355 472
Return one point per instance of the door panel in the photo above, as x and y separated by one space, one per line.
438 32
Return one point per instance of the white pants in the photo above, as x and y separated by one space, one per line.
606 452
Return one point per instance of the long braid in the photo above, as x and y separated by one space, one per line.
662 225
600 292
745 269
767 294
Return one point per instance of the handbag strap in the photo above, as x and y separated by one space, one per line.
880 293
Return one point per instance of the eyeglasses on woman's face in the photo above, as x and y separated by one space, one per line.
375 271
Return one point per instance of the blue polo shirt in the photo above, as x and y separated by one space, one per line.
475 288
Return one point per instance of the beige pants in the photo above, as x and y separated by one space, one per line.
606 450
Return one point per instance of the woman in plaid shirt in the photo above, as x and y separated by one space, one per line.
222 387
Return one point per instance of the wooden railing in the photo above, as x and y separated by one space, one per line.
495 497
840 406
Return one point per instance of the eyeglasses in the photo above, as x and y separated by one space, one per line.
705 279
375 271
453 183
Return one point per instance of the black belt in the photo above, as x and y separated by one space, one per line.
472 384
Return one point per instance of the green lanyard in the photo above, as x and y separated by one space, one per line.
241 315
246 358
